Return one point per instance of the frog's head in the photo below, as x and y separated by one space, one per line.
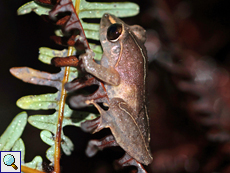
111 36
111 28
113 33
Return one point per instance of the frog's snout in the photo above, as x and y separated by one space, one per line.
106 15
105 20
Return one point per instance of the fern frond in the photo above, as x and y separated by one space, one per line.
86 10
13 132
52 125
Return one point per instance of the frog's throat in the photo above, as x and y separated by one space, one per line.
119 58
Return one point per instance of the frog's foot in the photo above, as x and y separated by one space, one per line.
96 124
90 125
127 160
95 145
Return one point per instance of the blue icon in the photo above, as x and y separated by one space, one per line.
9 160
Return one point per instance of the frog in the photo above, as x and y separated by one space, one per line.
123 72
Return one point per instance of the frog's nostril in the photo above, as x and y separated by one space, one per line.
106 15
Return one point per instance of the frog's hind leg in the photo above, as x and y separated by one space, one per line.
96 124
127 160
95 145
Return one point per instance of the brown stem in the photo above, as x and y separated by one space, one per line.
57 153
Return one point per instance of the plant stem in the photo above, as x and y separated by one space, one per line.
77 5
57 154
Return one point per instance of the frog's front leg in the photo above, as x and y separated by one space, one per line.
108 75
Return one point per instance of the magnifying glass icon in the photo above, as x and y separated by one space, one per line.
9 160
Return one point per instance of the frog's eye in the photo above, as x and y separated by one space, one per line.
114 31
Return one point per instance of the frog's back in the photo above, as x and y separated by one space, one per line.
138 69
133 72
132 68
127 55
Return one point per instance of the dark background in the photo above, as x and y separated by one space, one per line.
206 32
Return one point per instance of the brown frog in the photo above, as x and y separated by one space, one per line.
123 71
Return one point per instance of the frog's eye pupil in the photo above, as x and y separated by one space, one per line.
114 31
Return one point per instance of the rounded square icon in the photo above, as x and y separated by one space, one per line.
10 161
